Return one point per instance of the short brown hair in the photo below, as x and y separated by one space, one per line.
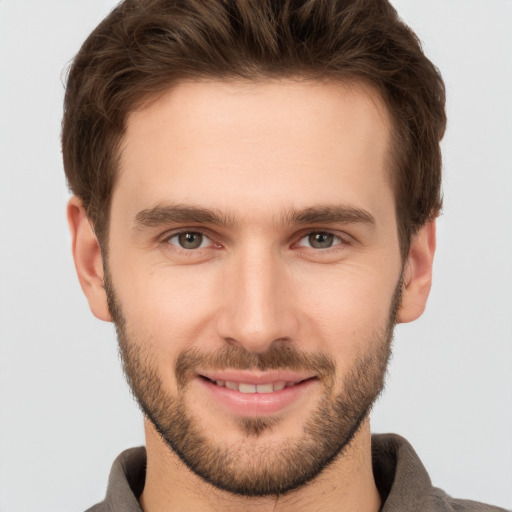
143 47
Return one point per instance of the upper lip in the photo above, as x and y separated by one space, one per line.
254 377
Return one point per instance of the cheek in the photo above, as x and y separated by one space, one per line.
167 309
347 311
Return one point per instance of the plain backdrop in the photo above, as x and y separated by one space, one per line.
65 410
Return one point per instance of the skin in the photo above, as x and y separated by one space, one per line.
254 152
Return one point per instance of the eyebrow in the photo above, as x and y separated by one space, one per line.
176 213
330 215
324 214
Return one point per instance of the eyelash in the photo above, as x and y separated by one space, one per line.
338 240
169 236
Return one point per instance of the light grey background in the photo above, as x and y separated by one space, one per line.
65 409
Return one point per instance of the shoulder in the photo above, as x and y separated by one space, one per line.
125 484
100 507
405 485
458 505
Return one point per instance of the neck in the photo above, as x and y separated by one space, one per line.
347 484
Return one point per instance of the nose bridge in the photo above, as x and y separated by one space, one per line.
257 311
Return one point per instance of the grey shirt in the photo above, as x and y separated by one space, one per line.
403 482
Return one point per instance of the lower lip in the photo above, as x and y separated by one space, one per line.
257 404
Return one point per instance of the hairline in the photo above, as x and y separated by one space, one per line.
351 80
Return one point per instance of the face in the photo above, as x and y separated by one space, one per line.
254 273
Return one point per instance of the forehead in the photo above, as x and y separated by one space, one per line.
257 147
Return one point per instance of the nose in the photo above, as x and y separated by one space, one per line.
256 307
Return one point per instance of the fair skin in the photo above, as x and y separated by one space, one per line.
253 153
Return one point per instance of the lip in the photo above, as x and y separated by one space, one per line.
255 377
256 404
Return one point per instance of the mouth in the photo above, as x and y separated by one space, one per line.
246 387
256 394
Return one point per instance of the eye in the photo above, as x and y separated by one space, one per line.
189 240
320 240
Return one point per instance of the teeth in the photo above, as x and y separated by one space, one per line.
253 388
264 388
279 385
246 388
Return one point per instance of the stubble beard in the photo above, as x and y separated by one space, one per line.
253 468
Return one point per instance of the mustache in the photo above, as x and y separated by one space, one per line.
281 356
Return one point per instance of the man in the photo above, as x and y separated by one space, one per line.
256 186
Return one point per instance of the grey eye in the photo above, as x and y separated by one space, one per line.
188 240
321 240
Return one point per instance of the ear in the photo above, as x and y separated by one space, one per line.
87 256
417 276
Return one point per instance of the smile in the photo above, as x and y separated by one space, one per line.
256 394
244 387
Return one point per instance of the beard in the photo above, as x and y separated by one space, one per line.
253 468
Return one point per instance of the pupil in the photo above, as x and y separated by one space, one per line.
190 240
321 240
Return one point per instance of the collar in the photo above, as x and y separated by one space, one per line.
401 479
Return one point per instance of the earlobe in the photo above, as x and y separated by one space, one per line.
417 277
87 256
